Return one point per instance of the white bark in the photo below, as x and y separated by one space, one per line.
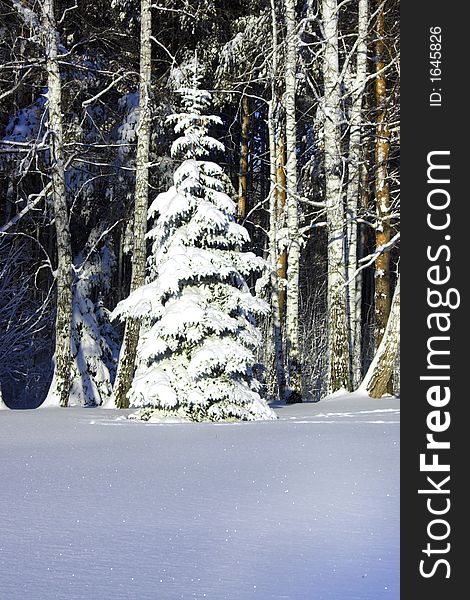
126 366
58 394
277 350
294 391
355 138
337 317
385 360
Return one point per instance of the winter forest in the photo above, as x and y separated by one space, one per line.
199 232
200 203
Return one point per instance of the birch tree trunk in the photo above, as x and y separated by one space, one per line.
273 132
274 280
363 236
294 390
379 374
382 192
280 210
58 394
337 315
243 176
354 288
126 365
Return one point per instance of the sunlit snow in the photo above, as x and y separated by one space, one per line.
95 506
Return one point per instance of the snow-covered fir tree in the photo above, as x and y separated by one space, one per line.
94 346
196 354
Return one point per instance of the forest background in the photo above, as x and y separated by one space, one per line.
307 94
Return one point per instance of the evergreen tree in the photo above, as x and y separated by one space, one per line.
95 347
196 355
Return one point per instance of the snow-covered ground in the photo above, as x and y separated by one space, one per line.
96 507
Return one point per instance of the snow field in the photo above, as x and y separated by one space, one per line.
97 506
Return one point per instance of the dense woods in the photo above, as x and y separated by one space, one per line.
199 203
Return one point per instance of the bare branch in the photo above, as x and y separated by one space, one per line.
86 103
371 258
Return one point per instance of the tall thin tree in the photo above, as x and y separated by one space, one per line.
354 170
294 389
59 390
382 192
281 206
126 366
244 151
337 316
277 294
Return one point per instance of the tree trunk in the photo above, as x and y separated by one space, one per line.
274 283
382 193
126 366
376 381
59 391
243 176
280 209
337 316
354 287
363 231
294 391
274 131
